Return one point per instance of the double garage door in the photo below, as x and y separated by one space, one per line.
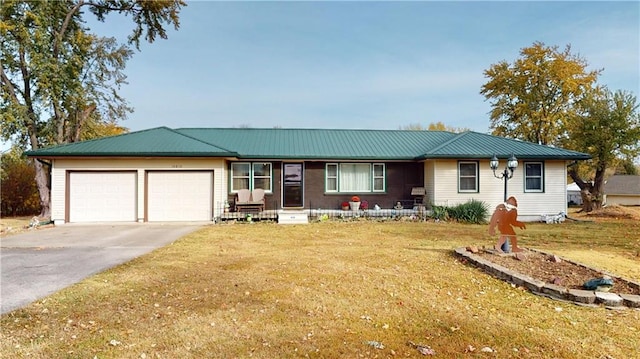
113 196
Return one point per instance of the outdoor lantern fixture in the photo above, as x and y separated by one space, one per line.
512 164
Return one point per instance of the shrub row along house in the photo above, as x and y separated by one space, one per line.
193 174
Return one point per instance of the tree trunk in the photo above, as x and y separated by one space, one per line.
585 190
597 190
42 181
42 173
591 193
587 201
74 129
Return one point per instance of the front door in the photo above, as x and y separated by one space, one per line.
292 185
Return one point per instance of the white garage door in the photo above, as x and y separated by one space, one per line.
179 196
102 197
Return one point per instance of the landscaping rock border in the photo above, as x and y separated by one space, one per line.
553 291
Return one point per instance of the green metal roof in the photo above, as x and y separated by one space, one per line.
155 142
321 143
277 143
478 145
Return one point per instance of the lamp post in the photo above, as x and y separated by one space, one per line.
507 174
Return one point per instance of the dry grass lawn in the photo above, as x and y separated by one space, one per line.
326 290
13 225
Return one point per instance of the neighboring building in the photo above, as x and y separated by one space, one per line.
622 190
189 174
574 198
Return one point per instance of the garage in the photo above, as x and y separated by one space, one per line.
179 196
102 196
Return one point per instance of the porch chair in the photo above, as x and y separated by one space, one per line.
257 198
250 201
243 197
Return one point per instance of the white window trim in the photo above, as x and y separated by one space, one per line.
476 176
383 177
537 190
327 177
232 176
269 176
372 178
251 176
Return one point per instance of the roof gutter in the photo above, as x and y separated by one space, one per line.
477 157
129 154
44 162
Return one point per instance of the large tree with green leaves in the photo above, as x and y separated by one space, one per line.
606 125
59 81
533 97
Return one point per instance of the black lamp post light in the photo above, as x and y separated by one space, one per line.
507 174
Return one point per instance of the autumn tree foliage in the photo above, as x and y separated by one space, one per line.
434 126
59 81
533 97
18 191
547 96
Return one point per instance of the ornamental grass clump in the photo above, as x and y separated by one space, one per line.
439 213
472 211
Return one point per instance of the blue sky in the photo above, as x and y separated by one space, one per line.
371 65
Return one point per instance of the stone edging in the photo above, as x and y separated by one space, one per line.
550 290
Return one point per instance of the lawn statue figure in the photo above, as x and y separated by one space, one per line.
505 217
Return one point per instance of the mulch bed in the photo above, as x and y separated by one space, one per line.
542 267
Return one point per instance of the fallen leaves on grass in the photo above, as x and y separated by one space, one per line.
422 349
319 291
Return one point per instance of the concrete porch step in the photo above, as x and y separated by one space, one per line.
293 217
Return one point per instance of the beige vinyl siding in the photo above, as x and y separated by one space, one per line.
443 178
554 198
446 185
58 182
429 181
60 166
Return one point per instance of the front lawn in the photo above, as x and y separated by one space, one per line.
331 290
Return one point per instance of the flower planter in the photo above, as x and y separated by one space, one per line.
355 206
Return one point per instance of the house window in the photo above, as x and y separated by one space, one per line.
533 177
332 178
250 175
355 177
467 176
378 177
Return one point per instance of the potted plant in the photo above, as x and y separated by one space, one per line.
355 203
364 205
345 206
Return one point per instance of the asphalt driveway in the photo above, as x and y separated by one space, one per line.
41 262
